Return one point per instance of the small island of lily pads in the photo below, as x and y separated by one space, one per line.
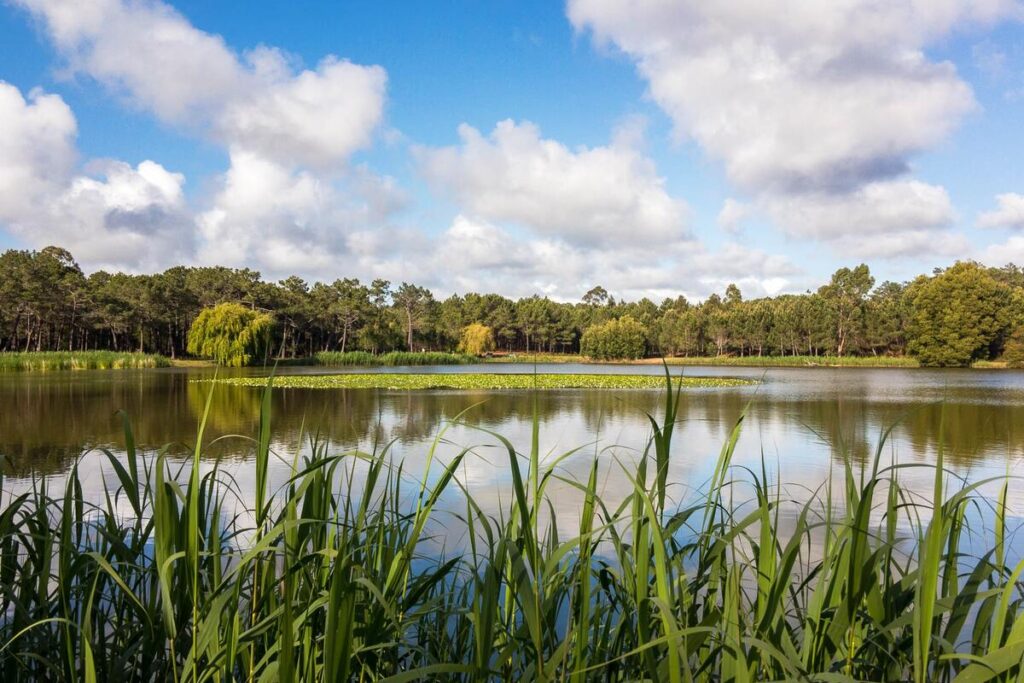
423 381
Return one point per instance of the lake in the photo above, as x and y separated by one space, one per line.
801 424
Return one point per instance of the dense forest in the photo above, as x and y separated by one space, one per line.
951 317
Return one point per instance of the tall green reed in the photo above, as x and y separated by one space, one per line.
178 574
41 361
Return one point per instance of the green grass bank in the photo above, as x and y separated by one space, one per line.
336 575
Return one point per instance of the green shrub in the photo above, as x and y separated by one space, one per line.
622 339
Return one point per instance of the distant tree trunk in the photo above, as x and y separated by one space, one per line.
408 327
71 332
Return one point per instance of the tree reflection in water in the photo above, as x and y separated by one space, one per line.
801 420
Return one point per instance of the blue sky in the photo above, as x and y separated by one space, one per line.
520 147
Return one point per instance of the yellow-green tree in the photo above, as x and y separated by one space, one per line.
230 333
476 339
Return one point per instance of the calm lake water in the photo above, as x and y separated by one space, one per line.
801 423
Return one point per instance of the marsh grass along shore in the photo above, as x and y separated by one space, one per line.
78 360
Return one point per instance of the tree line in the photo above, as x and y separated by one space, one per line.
953 316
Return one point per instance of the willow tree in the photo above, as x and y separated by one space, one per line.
230 333
476 339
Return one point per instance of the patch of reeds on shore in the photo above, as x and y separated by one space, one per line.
324 581
17 361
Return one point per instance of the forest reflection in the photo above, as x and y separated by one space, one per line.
48 420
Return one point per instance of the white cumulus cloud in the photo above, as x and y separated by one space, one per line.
291 221
37 149
490 257
875 208
114 214
292 195
1010 251
732 214
587 195
121 214
316 118
149 53
146 51
813 106
1009 213
880 219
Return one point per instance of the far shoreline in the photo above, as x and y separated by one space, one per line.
104 360
822 362
825 362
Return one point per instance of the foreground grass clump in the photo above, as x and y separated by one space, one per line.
78 360
414 381
391 359
334 576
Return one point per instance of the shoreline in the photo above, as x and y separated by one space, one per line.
721 362
765 362
825 362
